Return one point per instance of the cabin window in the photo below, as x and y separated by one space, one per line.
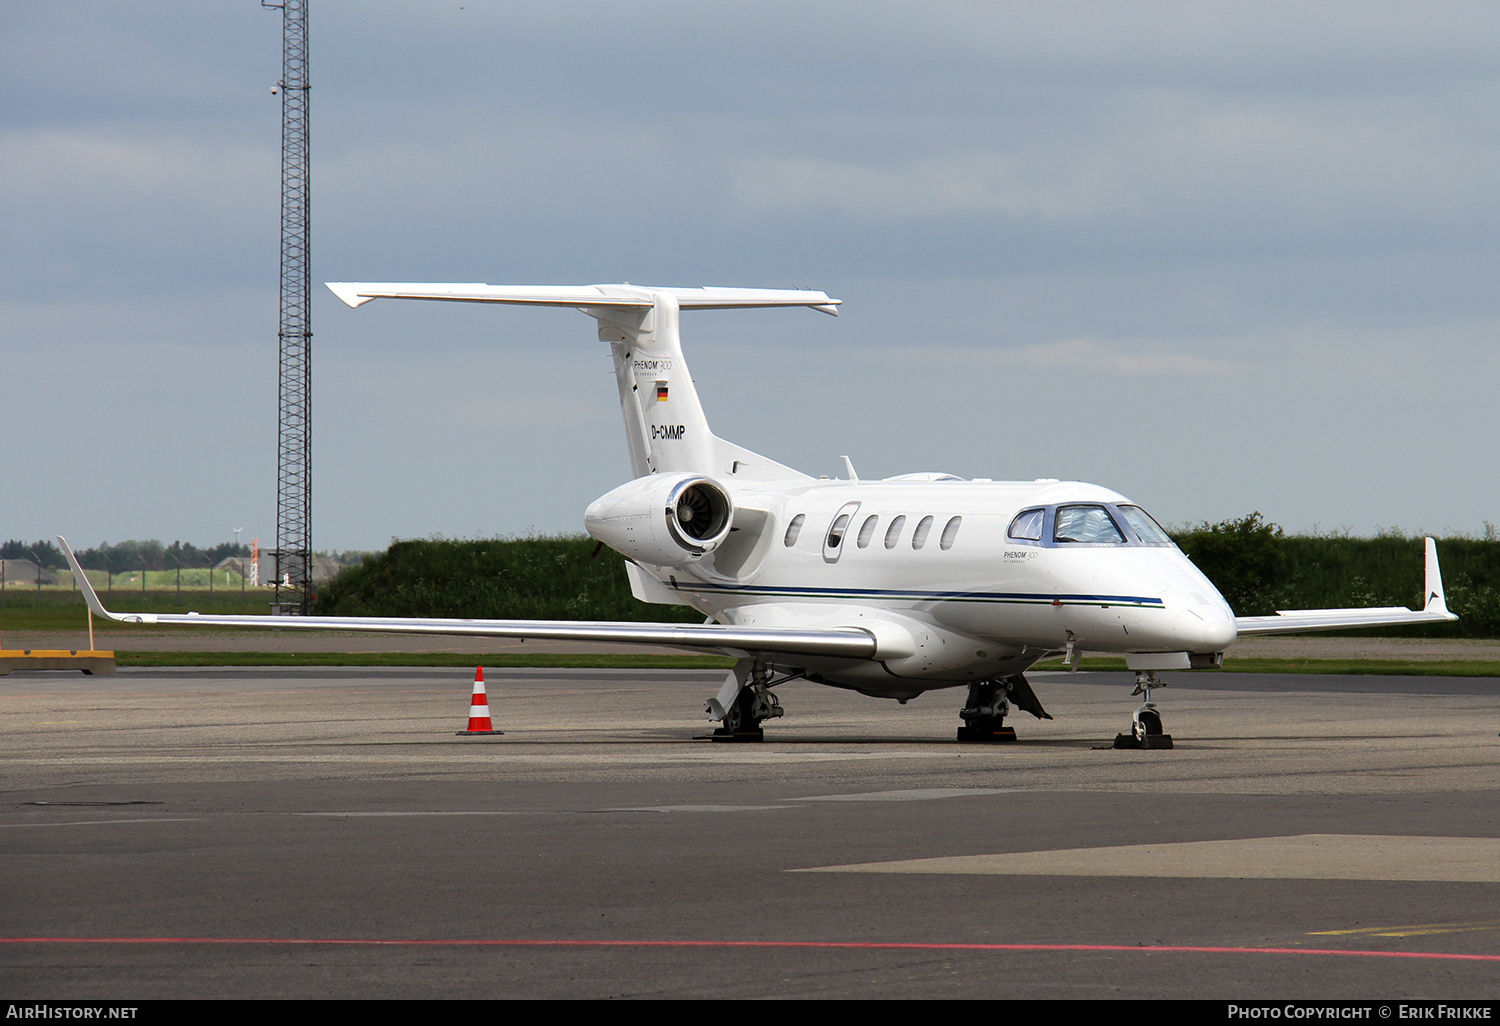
1028 525
950 532
1145 526
867 531
836 532
919 536
794 529
893 533
1090 525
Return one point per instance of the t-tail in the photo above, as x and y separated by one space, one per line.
665 427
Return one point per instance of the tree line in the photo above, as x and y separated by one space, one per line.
126 555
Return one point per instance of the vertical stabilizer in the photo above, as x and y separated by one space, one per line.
665 428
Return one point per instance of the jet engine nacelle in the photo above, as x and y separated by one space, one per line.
663 519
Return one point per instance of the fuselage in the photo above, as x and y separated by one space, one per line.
946 581
987 577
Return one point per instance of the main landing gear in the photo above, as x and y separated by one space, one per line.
1145 725
989 703
751 707
745 702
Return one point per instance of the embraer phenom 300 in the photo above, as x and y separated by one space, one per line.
890 588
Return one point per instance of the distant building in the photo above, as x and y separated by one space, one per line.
18 573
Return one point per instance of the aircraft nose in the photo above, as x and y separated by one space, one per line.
1205 627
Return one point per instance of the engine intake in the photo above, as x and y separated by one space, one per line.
664 519
698 512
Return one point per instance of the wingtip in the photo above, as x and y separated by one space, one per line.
89 594
1437 601
348 293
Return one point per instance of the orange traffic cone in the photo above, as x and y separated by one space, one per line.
479 708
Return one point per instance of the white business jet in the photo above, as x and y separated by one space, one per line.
890 588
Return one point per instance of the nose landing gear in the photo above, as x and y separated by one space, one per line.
1145 724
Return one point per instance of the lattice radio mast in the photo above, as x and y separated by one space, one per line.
294 442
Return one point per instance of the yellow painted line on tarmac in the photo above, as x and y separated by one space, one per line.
1421 930
1302 857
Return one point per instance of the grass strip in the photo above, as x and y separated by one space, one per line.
580 660
1353 667
657 661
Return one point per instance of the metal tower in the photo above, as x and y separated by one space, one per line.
294 444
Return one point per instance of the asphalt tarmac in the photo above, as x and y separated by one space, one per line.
323 833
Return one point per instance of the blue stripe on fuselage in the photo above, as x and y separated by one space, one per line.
919 595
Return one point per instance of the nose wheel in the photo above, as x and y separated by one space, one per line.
1145 725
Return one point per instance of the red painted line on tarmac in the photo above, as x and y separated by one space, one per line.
819 945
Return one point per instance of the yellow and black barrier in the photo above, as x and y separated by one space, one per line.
88 660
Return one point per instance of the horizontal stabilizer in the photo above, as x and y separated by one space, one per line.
1302 621
582 296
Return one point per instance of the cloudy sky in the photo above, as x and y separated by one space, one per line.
1220 257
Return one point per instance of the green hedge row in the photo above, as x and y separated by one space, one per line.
1256 566
522 578
1260 569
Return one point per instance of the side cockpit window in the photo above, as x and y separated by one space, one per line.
1088 525
1028 525
1145 526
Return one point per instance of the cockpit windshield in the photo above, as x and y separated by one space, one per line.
1086 523
1090 525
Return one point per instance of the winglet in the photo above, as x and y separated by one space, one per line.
1436 602
89 594
348 292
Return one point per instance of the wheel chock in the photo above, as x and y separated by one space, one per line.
725 734
1149 741
987 735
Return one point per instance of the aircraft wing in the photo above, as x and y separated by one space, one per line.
836 642
357 294
1301 621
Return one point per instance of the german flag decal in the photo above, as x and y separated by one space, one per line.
661 391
